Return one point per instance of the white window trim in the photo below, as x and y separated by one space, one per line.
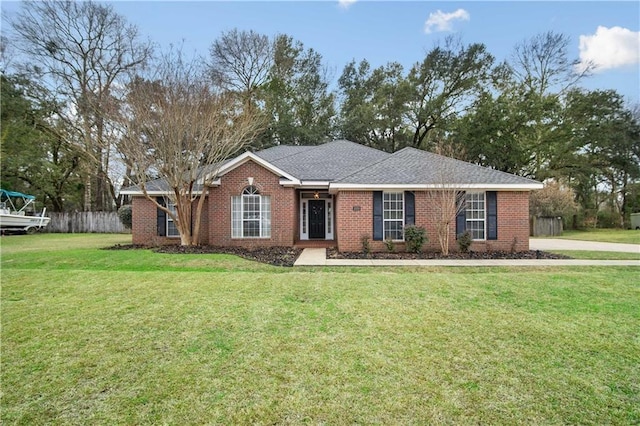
169 219
261 203
484 220
384 221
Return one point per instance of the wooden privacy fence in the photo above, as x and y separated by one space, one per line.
545 226
86 222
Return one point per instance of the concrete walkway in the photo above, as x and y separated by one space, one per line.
318 257
560 244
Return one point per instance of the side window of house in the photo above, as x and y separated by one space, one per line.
475 209
172 230
251 214
393 215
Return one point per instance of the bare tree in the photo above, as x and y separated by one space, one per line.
6 54
447 198
177 128
542 64
83 50
240 61
541 72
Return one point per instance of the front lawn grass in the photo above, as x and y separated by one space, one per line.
110 337
55 242
598 255
628 236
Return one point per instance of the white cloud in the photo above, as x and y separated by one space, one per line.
440 21
609 48
346 3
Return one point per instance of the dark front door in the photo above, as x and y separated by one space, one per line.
316 219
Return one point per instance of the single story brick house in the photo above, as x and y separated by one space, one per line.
336 193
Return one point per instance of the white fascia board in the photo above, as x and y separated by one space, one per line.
153 193
306 184
289 183
243 158
214 183
315 184
396 187
139 192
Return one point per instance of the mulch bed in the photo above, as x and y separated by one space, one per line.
286 256
531 254
278 256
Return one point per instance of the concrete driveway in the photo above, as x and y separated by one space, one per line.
559 244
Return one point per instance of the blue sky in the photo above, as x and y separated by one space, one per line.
399 31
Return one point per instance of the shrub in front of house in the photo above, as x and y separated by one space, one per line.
390 244
415 237
366 245
464 241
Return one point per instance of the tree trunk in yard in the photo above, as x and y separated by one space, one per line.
183 208
198 218
87 193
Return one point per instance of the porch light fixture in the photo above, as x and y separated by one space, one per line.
316 195
250 181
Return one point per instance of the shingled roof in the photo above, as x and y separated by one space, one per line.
344 165
411 166
327 162
347 164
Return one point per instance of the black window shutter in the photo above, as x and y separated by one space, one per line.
492 215
409 208
461 218
162 218
377 216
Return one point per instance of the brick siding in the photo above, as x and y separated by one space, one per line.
353 217
513 222
283 207
144 226
355 220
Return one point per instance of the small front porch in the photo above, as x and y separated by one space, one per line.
315 244
316 219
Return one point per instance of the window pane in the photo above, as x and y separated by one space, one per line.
251 228
250 190
265 206
250 214
236 217
393 215
251 206
475 214
393 230
172 230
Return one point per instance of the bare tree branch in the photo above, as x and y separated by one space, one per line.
241 61
447 199
82 50
176 127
